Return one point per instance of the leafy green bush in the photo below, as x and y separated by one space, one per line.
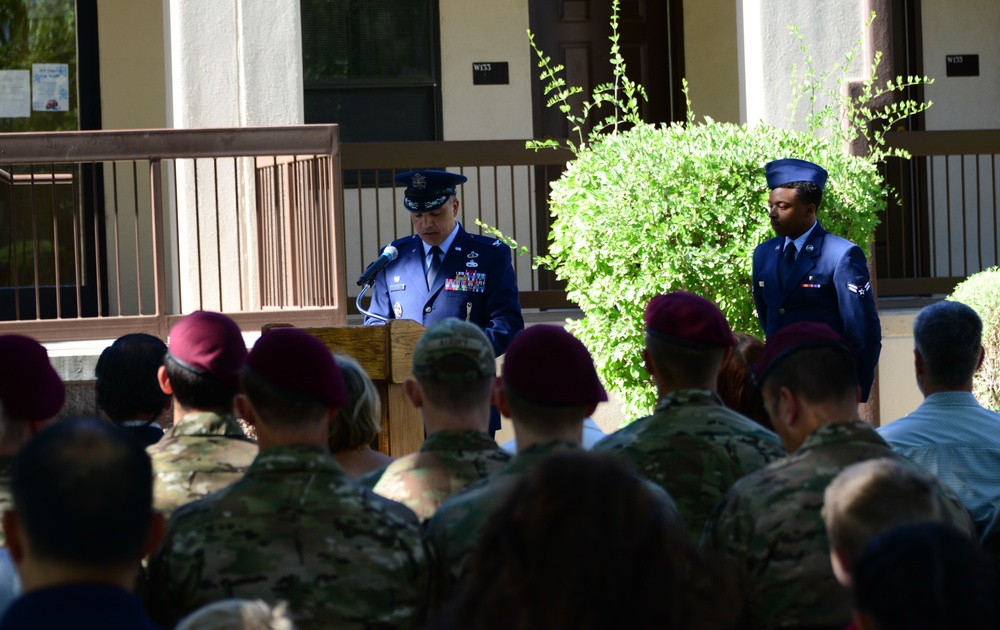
658 209
981 291
647 209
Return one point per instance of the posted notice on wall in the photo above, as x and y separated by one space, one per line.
50 87
15 94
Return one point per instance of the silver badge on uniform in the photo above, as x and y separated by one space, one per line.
395 278
809 248
419 181
472 255
397 308
471 264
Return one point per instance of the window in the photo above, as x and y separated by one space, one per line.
372 67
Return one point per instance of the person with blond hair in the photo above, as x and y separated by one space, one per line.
358 422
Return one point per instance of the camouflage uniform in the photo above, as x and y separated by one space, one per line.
6 499
202 453
771 527
695 448
295 529
447 462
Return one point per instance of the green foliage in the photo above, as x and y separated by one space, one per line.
875 110
658 209
981 291
646 209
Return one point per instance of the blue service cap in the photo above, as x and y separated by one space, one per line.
789 170
428 190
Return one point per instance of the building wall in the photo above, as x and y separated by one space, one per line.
768 52
711 59
474 31
956 27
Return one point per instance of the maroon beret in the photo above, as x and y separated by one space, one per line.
299 364
549 366
30 389
795 337
689 320
210 342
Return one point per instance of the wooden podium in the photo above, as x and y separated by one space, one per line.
386 354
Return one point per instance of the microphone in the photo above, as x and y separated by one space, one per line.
387 256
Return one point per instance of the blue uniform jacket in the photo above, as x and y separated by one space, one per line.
476 283
829 283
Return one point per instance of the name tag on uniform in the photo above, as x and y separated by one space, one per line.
397 287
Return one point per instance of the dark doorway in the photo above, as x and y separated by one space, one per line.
575 33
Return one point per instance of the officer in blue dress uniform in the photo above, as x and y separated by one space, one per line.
806 273
443 271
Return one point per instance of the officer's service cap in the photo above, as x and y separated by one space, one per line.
299 365
30 389
790 170
688 319
793 338
206 341
546 365
454 351
428 190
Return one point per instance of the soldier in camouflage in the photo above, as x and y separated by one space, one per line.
693 446
549 385
31 395
454 371
769 524
205 450
295 528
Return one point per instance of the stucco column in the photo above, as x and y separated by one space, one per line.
231 63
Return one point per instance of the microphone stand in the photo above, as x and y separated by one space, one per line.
357 303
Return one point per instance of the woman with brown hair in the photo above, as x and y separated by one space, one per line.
584 543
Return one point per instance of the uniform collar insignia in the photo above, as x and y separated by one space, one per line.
809 248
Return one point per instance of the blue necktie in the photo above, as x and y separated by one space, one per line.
786 264
434 266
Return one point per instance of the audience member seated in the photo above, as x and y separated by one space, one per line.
639 568
358 423
239 614
205 450
693 446
950 434
31 396
926 576
735 385
548 386
127 389
454 372
82 520
769 524
295 528
872 497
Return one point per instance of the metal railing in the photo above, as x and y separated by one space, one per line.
108 232
103 233
944 225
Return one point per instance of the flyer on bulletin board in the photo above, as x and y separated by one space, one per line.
50 87
15 94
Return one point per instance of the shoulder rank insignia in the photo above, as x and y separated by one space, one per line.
497 243
861 291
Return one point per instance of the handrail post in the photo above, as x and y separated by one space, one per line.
159 256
